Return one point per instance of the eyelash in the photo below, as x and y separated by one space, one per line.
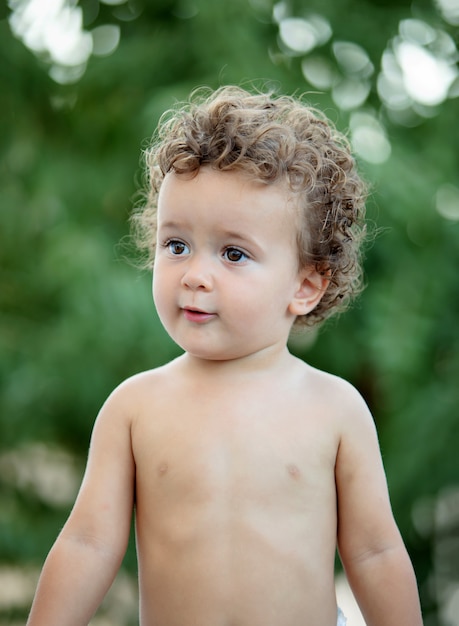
243 256
175 242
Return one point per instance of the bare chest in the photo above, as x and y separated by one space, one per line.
240 453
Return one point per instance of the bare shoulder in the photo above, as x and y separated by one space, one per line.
337 394
133 391
127 405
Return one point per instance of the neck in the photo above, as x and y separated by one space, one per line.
269 360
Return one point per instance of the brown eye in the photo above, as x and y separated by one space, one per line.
177 247
235 255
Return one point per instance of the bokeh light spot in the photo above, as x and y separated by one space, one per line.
318 71
368 138
350 93
53 30
106 39
298 35
418 71
447 202
449 9
426 78
352 58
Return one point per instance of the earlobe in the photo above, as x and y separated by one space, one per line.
311 289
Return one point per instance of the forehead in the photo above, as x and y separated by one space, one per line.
224 193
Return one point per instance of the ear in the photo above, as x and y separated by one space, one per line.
311 288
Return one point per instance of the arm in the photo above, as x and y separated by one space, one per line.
84 560
374 557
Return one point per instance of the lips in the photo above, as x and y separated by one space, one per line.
197 316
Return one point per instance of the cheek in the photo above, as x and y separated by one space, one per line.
249 298
159 287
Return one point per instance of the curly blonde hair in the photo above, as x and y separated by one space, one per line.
273 139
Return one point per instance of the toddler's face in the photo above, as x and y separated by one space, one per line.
226 267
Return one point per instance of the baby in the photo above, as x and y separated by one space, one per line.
247 467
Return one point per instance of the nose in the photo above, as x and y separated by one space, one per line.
197 275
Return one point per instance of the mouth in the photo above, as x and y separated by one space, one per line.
196 315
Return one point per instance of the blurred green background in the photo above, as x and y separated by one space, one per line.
82 87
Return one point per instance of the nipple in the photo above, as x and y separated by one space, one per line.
162 468
293 471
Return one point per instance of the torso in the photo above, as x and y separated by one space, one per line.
236 500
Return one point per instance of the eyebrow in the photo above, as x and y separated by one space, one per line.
231 234
169 224
234 235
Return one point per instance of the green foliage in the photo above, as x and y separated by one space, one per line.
76 315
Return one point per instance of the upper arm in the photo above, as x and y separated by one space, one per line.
365 522
103 509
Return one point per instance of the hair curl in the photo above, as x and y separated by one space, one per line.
273 139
